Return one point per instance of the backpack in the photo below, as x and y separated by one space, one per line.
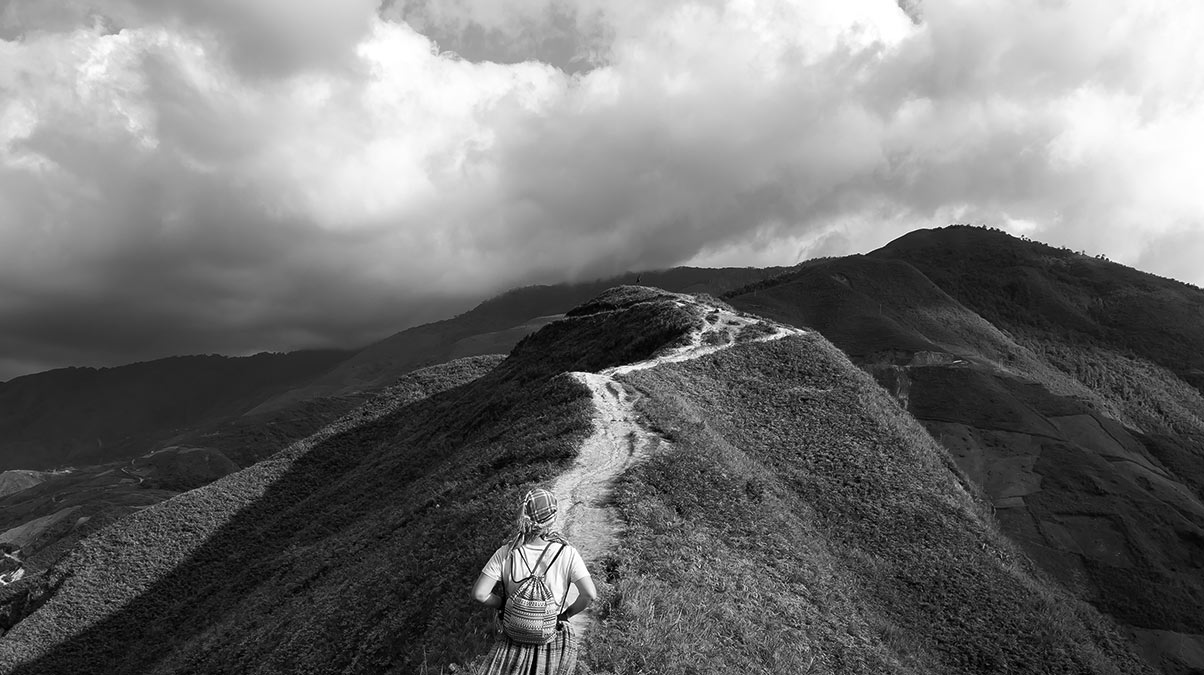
530 613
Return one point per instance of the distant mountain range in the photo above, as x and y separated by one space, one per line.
493 327
89 415
982 455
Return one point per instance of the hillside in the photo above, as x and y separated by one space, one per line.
494 327
17 480
1099 484
784 514
1116 328
136 435
78 416
46 513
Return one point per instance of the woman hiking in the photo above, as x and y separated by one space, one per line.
536 568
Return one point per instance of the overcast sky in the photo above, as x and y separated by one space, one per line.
230 176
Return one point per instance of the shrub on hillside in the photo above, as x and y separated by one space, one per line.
619 297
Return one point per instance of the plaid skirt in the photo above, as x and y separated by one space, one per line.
558 657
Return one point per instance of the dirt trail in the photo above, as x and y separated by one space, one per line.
620 438
617 440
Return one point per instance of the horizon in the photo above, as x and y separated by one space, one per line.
236 178
355 348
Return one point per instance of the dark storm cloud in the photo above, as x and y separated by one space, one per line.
232 176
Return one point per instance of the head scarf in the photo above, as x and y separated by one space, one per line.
539 506
537 514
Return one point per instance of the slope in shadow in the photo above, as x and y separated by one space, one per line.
88 416
346 553
282 542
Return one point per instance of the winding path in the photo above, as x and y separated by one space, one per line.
620 438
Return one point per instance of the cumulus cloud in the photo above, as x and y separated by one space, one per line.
232 176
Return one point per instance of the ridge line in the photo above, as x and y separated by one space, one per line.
620 438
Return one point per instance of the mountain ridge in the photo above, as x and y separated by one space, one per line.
1104 495
302 563
91 415
1095 486
494 326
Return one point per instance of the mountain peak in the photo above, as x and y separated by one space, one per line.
848 443
706 456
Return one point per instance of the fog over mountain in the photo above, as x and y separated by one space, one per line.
181 177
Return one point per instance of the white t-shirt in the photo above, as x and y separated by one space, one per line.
569 567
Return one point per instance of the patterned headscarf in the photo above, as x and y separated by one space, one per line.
539 506
537 514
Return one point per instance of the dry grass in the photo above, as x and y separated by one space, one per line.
799 520
351 551
794 521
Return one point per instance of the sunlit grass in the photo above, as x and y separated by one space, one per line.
796 519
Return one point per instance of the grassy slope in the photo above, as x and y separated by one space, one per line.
90 416
1134 340
1136 536
172 560
98 495
16 480
351 551
1121 535
797 513
882 311
1131 336
495 326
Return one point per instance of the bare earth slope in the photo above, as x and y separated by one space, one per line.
785 516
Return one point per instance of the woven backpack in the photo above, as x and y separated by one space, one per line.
530 613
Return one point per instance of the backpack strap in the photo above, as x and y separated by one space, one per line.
564 598
534 569
553 562
531 569
513 566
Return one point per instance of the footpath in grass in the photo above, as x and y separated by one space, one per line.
351 551
793 519
620 439
798 521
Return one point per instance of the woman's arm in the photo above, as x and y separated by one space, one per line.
586 593
482 591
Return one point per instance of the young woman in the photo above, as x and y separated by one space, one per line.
536 546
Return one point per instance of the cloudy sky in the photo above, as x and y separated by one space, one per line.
187 176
